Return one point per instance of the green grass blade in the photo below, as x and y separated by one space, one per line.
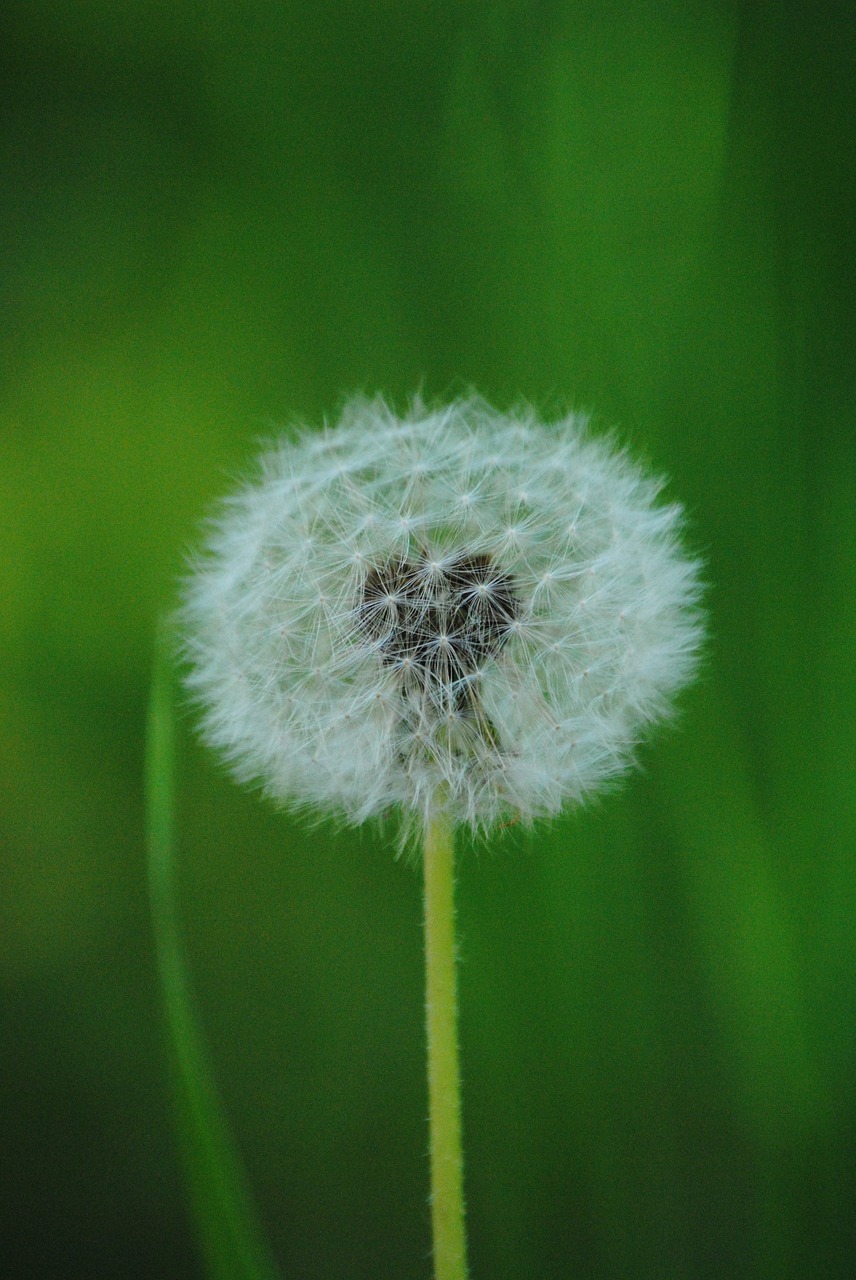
230 1235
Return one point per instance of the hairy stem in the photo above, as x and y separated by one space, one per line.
444 1087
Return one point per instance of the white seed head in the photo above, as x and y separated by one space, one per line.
457 608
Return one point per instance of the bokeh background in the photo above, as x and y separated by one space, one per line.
219 217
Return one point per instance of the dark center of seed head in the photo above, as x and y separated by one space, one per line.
437 621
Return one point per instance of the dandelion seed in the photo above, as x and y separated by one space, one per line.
463 608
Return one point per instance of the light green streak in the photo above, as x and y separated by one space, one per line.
230 1236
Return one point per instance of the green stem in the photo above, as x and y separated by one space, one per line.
444 1086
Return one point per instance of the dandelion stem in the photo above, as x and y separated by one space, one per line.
444 1087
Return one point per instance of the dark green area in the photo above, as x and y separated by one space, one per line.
219 217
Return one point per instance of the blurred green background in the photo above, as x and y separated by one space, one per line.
219 217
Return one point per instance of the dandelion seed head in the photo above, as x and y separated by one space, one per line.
453 607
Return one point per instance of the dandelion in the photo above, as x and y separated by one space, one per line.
457 610
464 616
